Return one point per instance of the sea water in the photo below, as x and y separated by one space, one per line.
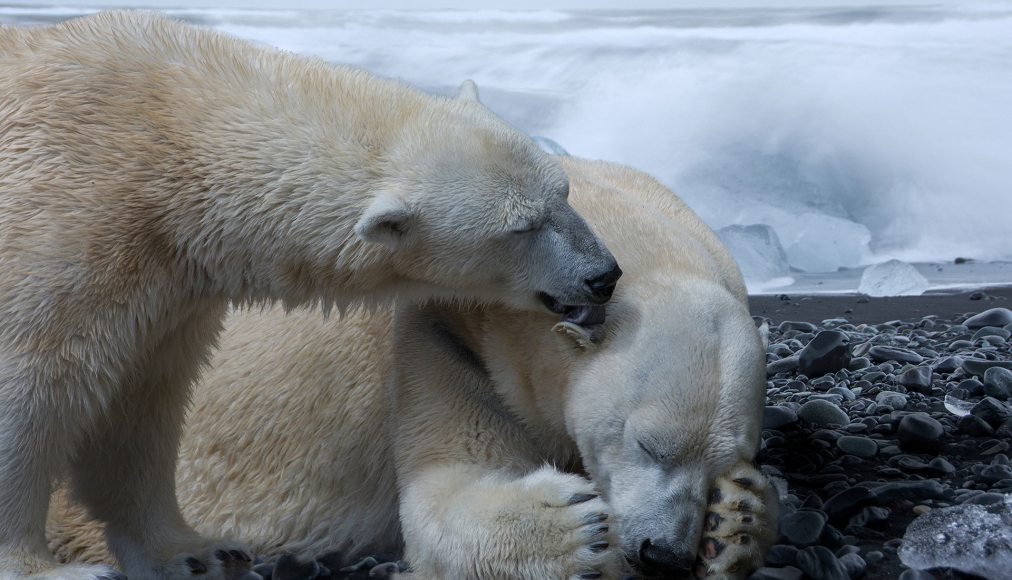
856 135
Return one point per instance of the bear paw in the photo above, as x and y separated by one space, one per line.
739 526
221 560
575 526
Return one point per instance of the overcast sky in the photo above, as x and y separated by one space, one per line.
463 4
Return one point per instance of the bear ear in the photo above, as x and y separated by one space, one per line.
468 91
385 221
764 334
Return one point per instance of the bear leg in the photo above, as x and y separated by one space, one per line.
124 473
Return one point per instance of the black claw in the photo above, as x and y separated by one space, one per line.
113 576
196 566
221 555
361 566
589 575
712 521
716 496
600 531
594 519
599 546
242 557
581 498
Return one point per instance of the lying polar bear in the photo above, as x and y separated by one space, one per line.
464 436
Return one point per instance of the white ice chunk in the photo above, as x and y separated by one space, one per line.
892 278
958 407
976 539
757 250
817 242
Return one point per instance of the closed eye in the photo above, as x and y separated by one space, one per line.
526 228
647 451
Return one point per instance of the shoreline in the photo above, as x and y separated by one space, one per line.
859 309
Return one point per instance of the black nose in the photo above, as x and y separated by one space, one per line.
661 558
604 285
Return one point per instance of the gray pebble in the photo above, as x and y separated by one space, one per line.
803 527
919 432
998 383
881 353
820 412
992 317
859 446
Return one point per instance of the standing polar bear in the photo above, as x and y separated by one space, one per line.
151 173
476 468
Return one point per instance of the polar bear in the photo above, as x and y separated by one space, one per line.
465 436
151 173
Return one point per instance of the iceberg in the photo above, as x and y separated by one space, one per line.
892 278
757 250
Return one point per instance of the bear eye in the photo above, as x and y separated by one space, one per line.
526 227
647 450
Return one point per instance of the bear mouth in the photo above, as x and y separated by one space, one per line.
579 314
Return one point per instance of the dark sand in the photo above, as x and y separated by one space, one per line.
857 310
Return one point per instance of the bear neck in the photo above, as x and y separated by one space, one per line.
273 188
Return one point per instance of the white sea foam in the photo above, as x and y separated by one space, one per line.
858 135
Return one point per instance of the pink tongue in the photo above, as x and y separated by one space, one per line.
585 315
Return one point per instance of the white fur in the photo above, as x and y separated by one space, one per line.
295 445
153 172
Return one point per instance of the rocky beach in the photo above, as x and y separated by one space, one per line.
887 429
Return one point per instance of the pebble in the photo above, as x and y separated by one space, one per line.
828 352
819 562
992 317
895 400
998 383
916 379
881 353
859 446
991 411
854 565
785 573
779 417
802 528
979 367
918 432
783 365
820 412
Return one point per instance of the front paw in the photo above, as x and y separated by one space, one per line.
573 526
219 560
739 527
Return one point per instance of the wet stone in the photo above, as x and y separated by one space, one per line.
859 446
992 317
920 433
785 573
782 555
778 417
819 562
820 412
895 400
828 352
882 353
803 527
782 366
998 383
916 379
854 565
978 367
991 411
